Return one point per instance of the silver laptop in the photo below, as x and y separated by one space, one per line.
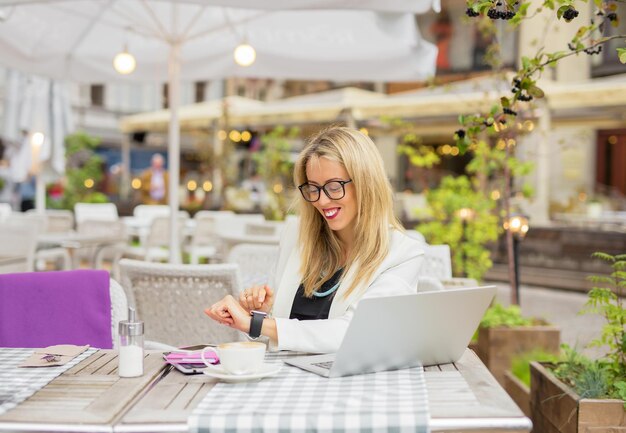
396 332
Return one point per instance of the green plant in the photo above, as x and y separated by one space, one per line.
499 315
593 382
83 168
467 239
520 364
275 165
604 377
606 299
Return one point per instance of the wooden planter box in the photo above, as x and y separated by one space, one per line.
556 408
498 346
518 391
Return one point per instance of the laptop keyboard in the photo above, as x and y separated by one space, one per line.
325 365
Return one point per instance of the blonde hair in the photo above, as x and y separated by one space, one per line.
321 251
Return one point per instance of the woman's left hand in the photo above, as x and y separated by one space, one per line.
228 312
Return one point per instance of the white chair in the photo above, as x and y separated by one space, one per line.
436 270
256 263
112 253
147 212
204 241
5 210
43 253
95 212
18 242
265 228
156 243
59 220
236 224
119 309
437 262
171 299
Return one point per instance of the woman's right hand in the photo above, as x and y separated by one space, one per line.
259 298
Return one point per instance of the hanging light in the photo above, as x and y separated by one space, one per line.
124 62
244 54
37 139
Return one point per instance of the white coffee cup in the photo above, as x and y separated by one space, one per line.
240 358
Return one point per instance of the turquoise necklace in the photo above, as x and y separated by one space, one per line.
327 292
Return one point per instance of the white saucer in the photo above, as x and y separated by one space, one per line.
218 372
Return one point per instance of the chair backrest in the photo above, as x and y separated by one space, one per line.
18 238
95 211
119 310
236 224
39 309
159 234
57 220
437 262
268 228
256 263
150 211
215 213
204 232
5 210
170 299
102 228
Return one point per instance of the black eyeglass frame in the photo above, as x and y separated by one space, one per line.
323 188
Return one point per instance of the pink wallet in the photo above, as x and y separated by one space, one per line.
191 357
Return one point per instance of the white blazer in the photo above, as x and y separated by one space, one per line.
397 275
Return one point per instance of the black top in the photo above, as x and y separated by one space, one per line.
314 308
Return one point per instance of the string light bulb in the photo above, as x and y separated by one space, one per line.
244 54
124 62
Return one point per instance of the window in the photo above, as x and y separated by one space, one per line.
199 90
607 63
610 157
462 43
96 92
165 95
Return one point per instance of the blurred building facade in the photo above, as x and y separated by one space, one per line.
579 149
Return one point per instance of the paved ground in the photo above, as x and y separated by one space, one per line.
559 307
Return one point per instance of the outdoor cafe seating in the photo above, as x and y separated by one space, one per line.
86 394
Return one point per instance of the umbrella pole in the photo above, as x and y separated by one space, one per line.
173 149
40 194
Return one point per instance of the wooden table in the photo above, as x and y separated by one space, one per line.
92 398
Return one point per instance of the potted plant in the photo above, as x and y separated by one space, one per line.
83 171
517 379
580 394
504 333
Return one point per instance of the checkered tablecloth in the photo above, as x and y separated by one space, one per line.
17 384
296 401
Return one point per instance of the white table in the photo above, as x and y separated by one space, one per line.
73 241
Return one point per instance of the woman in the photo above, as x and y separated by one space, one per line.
348 245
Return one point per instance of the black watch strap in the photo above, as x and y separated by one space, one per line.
256 323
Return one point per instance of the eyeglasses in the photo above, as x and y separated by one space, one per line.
334 190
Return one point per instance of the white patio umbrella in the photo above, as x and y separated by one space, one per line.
195 39
40 107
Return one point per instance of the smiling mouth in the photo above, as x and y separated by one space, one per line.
331 213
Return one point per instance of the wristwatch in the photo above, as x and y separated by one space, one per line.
256 323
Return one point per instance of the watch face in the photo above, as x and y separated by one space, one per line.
262 313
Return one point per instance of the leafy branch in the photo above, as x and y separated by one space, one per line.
524 83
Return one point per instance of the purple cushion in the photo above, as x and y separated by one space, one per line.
39 309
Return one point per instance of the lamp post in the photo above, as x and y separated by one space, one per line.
465 214
518 226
